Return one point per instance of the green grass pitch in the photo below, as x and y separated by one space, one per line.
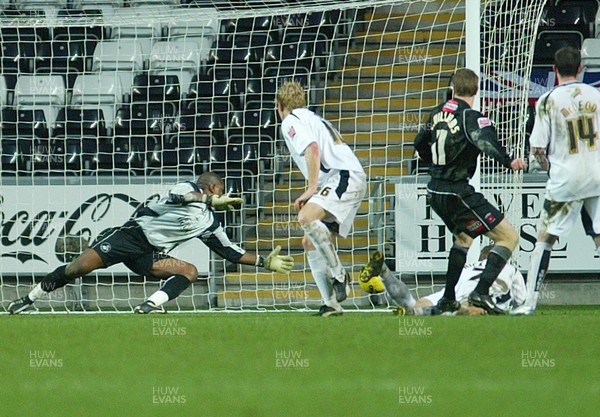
288 364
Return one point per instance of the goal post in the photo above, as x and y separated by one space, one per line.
104 108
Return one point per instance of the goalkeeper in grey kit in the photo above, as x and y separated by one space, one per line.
143 243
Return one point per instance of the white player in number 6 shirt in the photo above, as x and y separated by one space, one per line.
566 133
337 184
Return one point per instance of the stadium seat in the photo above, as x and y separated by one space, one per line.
151 118
90 31
128 155
19 50
3 92
180 57
590 54
38 93
10 160
248 24
190 154
155 88
41 4
10 62
107 7
98 91
548 42
123 56
34 152
143 3
181 26
206 126
570 15
134 22
78 122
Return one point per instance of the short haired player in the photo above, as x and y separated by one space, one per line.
337 183
565 135
508 289
143 243
451 141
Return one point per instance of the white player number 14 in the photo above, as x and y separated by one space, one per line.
438 148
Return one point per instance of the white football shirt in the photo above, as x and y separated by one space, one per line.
567 123
302 127
167 224
509 287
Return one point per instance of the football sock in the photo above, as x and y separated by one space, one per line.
397 289
170 290
456 263
540 259
318 268
320 237
53 281
496 261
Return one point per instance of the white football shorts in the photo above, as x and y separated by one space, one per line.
558 218
340 197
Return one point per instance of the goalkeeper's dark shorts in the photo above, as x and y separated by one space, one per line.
462 208
127 244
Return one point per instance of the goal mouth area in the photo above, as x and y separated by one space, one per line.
103 112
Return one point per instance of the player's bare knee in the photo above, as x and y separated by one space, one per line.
190 272
307 243
463 240
304 218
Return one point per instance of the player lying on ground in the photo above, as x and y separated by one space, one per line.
336 186
451 142
507 291
565 134
143 243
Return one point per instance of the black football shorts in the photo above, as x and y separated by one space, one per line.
127 244
462 208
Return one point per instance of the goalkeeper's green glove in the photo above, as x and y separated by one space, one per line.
278 263
223 202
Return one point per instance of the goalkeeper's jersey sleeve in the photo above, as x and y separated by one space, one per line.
170 222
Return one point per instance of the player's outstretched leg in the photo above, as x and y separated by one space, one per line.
320 237
88 261
397 289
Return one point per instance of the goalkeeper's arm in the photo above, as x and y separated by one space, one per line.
218 242
218 202
273 262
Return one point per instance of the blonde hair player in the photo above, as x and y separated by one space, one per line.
337 184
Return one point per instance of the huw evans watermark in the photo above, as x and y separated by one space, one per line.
414 327
290 359
44 359
414 396
537 359
167 327
167 395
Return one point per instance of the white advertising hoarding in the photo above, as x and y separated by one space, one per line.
423 242
37 220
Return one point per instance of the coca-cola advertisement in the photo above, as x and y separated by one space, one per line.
43 227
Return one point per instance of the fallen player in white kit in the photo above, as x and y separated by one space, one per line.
508 290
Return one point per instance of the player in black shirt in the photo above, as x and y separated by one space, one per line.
451 141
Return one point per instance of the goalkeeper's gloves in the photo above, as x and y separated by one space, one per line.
221 202
276 262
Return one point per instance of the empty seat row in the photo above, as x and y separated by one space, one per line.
88 154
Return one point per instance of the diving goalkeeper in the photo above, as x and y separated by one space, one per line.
508 290
144 241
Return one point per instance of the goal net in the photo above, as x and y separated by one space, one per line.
105 106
